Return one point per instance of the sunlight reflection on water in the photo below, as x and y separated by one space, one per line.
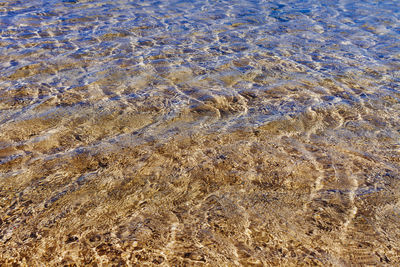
199 132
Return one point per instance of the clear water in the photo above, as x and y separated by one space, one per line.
199 132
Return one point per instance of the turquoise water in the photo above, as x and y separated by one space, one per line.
200 132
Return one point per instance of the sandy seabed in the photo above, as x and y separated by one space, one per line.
199 133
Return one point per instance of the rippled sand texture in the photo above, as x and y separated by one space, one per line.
213 133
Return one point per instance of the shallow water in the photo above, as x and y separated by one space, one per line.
199 132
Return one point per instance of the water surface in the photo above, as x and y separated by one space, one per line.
199 132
